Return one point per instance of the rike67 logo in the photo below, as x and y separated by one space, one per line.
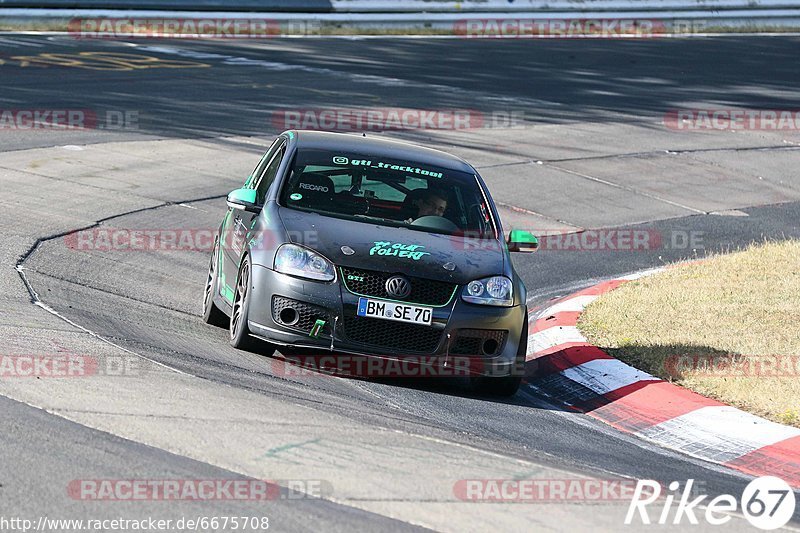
767 503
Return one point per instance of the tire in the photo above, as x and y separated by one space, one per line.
239 331
506 386
212 314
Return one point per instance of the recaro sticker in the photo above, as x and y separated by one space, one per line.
312 187
398 249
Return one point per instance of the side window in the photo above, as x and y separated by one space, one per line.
269 175
253 179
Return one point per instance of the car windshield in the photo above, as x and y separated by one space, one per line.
388 192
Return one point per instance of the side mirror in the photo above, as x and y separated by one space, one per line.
244 199
522 241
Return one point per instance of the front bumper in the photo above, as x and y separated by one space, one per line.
345 332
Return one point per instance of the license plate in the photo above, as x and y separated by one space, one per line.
411 314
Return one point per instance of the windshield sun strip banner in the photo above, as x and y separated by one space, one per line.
381 165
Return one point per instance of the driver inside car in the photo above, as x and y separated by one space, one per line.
432 203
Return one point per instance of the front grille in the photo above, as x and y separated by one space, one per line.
391 335
307 315
470 341
423 291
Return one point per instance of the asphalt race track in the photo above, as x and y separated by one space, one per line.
588 150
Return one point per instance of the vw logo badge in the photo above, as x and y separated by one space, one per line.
398 286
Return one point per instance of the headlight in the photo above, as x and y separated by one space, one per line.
497 290
303 263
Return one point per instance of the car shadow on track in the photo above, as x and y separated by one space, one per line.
435 379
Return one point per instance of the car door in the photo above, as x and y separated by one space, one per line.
238 223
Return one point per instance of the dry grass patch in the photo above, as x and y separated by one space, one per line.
728 328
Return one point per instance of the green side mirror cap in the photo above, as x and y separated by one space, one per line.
244 199
522 241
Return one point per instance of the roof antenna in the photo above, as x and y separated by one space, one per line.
364 134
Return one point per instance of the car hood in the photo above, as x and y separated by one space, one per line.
400 250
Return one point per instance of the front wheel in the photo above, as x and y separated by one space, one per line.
211 313
239 331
